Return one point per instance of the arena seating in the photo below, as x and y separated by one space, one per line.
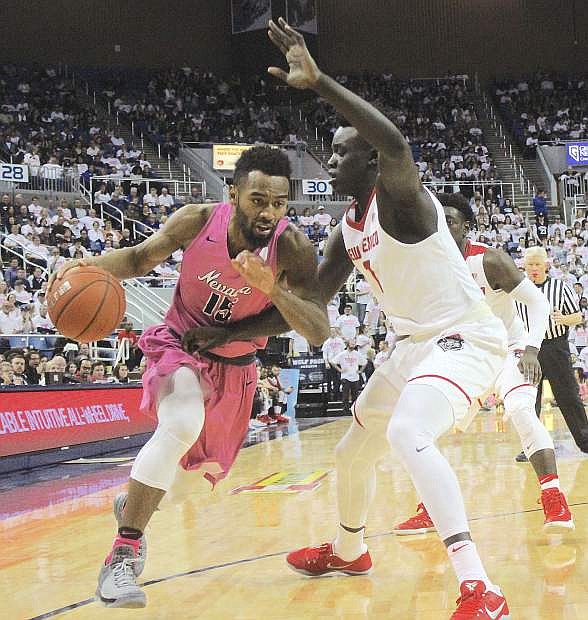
543 108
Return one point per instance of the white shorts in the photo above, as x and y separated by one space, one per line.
462 363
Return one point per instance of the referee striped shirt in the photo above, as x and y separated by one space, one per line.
561 296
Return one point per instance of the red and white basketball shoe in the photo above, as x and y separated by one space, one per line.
477 603
421 523
281 419
266 419
555 507
316 561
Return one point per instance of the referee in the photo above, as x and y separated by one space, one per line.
554 355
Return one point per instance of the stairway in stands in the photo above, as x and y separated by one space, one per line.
510 162
159 165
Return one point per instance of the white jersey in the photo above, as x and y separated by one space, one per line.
422 287
501 303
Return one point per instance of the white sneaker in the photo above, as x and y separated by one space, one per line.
117 586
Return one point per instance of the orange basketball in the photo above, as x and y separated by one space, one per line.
87 304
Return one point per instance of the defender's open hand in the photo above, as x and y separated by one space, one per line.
304 72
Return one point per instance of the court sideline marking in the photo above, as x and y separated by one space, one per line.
196 571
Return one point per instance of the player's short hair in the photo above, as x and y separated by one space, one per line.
459 202
536 253
271 161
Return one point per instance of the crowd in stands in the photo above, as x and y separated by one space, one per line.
192 105
47 126
544 108
67 363
438 118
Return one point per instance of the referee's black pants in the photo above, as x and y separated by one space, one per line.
554 357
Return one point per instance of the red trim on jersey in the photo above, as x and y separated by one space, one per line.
359 225
473 247
355 416
516 387
453 383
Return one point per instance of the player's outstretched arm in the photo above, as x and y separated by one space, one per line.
333 272
502 274
397 169
139 260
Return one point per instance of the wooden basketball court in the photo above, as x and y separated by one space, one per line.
221 556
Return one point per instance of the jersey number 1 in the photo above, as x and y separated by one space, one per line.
218 307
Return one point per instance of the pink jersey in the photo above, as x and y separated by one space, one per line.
211 292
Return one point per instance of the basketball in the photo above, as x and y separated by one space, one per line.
87 304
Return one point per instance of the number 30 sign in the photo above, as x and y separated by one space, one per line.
14 173
319 187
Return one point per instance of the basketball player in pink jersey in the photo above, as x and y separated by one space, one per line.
452 346
502 283
237 259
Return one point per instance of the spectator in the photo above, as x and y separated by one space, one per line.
121 374
18 363
347 323
350 363
332 346
321 217
41 322
33 359
10 318
85 370
127 332
98 373
540 204
383 353
363 293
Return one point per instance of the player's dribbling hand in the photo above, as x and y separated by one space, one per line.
205 338
70 264
304 72
255 271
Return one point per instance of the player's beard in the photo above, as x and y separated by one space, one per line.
247 228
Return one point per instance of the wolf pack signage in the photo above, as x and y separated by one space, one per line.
250 15
577 153
312 369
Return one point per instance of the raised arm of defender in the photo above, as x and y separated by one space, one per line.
397 169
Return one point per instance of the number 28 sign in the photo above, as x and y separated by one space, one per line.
313 187
14 173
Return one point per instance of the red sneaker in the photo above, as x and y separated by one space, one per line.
265 419
555 507
477 603
421 523
281 419
316 561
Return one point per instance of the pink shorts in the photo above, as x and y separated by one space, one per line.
228 398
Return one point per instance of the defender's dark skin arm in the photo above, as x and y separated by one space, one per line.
333 272
406 211
502 274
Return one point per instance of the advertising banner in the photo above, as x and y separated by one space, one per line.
312 370
41 420
577 153
302 15
250 14
225 156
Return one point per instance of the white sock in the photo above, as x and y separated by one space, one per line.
467 564
349 545
550 481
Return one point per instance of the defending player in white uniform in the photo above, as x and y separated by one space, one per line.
502 283
453 346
